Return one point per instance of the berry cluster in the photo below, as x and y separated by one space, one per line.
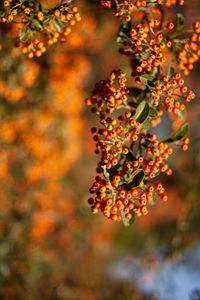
109 94
171 91
185 144
131 157
189 51
146 44
115 142
124 8
38 26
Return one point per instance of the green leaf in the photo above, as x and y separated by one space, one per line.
24 35
57 25
130 155
31 15
142 112
113 171
180 20
135 92
47 21
68 2
145 125
170 72
132 220
123 32
147 77
150 83
127 222
148 80
179 134
153 112
137 178
105 172
132 104
131 176
178 24
36 24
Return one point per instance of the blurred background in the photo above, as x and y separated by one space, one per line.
51 246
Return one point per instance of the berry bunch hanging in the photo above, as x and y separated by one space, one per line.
131 156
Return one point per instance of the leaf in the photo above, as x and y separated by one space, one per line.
180 20
112 171
47 21
131 176
150 83
179 134
24 35
135 92
36 24
147 77
132 104
123 32
127 222
137 178
105 172
178 24
31 15
57 25
132 220
170 72
142 112
153 112
130 155
145 125
38 6
68 2
148 80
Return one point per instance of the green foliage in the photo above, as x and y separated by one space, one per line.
179 134
142 112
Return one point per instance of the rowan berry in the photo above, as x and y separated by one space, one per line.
6 3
